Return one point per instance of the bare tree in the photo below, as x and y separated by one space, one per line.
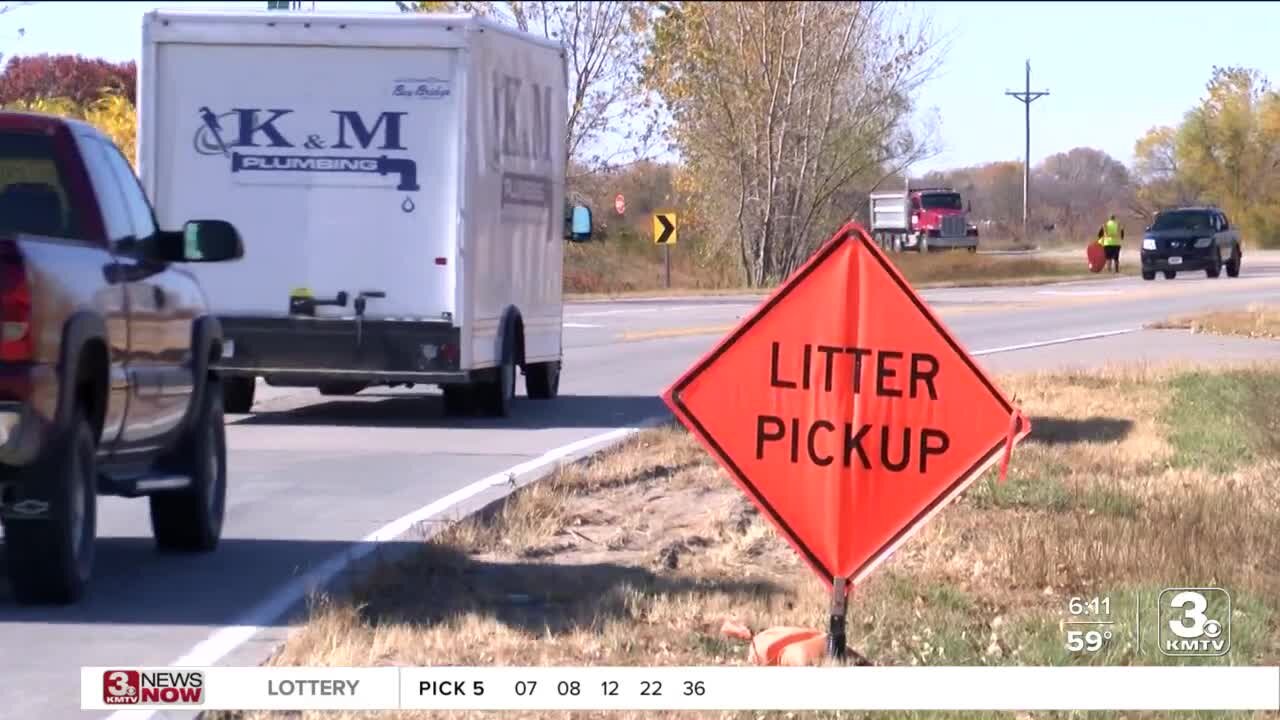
782 107
613 119
1076 190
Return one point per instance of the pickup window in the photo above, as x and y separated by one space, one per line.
33 196
114 214
135 201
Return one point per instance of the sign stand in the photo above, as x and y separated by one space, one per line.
836 642
666 261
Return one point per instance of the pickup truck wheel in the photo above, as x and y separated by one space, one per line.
237 394
497 392
542 380
191 519
1233 265
341 388
1170 274
1148 274
51 558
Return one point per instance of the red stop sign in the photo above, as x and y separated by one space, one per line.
620 204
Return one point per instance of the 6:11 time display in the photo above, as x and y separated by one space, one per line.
1089 606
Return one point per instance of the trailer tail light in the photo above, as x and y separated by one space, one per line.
16 342
449 353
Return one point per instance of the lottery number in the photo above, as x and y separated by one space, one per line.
650 688
571 687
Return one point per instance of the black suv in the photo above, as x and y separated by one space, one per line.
1190 238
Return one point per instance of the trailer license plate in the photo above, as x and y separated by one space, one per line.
1175 261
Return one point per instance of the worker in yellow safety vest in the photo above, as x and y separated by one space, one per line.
1110 235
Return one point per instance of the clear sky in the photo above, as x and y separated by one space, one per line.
1113 69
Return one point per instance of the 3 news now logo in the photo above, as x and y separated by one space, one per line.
162 687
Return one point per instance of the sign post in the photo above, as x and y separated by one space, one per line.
847 413
665 234
836 642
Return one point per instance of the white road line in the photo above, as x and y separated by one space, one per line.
1078 292
226 639
581 325
1054 341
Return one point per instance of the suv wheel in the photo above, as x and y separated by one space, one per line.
191 519
1233 265
237 394
1170 274
1148 274
51 558
1215 266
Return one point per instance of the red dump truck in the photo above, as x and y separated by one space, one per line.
922 219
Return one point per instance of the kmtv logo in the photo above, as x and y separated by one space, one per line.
273 134
135 687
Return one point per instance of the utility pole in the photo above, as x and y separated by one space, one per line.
1026 97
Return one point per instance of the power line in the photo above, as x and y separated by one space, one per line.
1026 97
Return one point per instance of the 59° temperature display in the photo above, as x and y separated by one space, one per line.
1089 625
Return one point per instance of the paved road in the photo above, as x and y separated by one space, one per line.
310 475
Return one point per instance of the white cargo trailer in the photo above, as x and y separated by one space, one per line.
399 184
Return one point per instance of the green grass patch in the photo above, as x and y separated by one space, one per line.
1220 421
1032 490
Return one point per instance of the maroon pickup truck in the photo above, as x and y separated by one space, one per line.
106 345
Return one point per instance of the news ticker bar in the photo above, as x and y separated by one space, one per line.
682 688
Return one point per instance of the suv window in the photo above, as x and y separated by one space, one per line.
1182 220
1226 224
107 189
33 194
135 201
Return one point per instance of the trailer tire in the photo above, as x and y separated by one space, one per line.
237 394
458 400
50 558
340 388
897 243
542 380
498 390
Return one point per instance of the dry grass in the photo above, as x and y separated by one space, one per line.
600 270
637 556
1255 321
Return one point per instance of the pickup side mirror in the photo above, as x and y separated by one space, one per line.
578 223
204 241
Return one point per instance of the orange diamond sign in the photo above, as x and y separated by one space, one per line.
845 409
